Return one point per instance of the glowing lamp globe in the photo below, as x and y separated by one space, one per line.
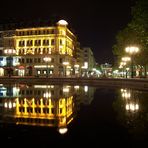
62 22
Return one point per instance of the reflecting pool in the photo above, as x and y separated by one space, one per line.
64 115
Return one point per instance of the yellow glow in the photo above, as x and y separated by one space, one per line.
65 63
132 49
10 105
126 59
5 105
37 111
76 87
77 66
132 107
136 106
47 95
47 59
127 107
86 88
126 95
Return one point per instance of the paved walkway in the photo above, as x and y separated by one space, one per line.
115 82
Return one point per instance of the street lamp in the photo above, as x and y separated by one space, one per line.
132 50
10 52
126 59
47 60
122 64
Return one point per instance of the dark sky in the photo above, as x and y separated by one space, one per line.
95 23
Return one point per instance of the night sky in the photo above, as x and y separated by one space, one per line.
95 23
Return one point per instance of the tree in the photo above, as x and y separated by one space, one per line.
135 34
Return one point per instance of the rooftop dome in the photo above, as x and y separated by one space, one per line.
62 22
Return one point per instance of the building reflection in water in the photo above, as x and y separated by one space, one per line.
42 105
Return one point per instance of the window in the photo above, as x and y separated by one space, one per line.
44 50
52 60
60 110
45 110
21 43
38 72
29 43
36 50
49 50
27 60
60 42
23 60
35 60
52 42
21 109
52 110
39 60
30 60
39 50
37 42
61 60
46 42
29 109
38 110
52 31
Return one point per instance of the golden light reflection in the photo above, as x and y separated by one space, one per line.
63 130
45 105
131 102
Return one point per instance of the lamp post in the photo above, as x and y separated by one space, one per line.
126 59
10 52
47 60
132 50
122 64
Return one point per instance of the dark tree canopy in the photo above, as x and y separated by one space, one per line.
135 33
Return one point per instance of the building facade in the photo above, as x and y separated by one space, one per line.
43 52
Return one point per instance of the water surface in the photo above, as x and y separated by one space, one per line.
64 115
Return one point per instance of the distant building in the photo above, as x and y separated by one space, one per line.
88 61
106 69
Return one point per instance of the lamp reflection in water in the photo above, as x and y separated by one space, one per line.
45 105
63 130
131 103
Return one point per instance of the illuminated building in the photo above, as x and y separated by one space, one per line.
32 45
9 60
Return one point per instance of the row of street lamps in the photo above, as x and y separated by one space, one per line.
132 50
